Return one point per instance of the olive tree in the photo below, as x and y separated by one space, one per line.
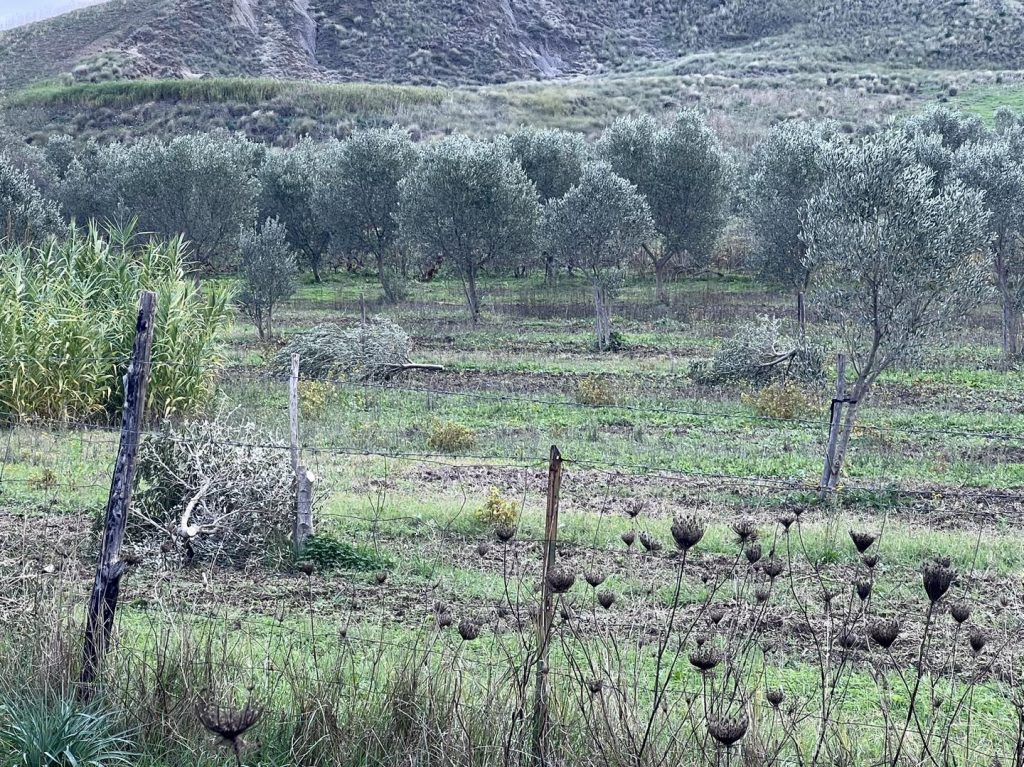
291 183
553 159
360 195
267 271
894 260
470 205
996 168
25 214
683 171
785 172
595 227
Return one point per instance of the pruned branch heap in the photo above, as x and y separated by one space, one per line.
761 353
213 491
377 350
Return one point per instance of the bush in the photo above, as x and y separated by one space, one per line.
328 553
220 492
267 272
498 511
761 353
450 437
67 324
595 391
313 398
24 213
782 399
56 734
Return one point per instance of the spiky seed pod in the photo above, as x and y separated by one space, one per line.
505 533
745 529
862 540
595 686
716 613
229 723
705 658
469 629
863 589
761 593
786 519
699 640
1004 600
444 620
960 612
629 538
775 696
381 577
729 731
306 568
606 599
687 532
634 509
595 578
566 612
753 552
440 607
561 579
937 576
773 566
649 542
883 632
870 560
977 639
342 632
850 640
482 548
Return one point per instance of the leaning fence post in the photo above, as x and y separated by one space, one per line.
302 526
109 568
835 421
546 614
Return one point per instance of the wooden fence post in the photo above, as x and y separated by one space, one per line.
546 614
109 567
302 526
833 431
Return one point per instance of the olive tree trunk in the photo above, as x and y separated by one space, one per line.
602 317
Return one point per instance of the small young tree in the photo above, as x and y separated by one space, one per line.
25 214
894 260
596 226
360 196
683 172
785 171
267 273
471 205
996 168
291 185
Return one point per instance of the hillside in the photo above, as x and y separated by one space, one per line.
455 42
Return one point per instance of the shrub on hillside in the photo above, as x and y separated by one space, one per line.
594 391
25 214
67 324
782 400
761 353
450 437
498 511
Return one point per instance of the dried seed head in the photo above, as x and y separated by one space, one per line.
786 519
705 658
960 612
649 542
482 548
595 686
561 579
595 578
729 731
229 723
716 613
884 632
380 577
444 620
687 532
700 639
753 552
469 629
634 509
745 529
629 538
870 560
761 593
306 568
505 533
775 696
606 599
773 566
977 639
566 611
938 577
862 540
863 589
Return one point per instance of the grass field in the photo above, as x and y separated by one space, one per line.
349 664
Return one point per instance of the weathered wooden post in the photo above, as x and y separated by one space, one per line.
110 568
828 473
546 614
302 526
801 316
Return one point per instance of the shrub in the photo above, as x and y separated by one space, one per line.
42 733
450 437
328 553
594 390
761 353
313 398
222 492
267 273
24 213
67 324
498 511
782 399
